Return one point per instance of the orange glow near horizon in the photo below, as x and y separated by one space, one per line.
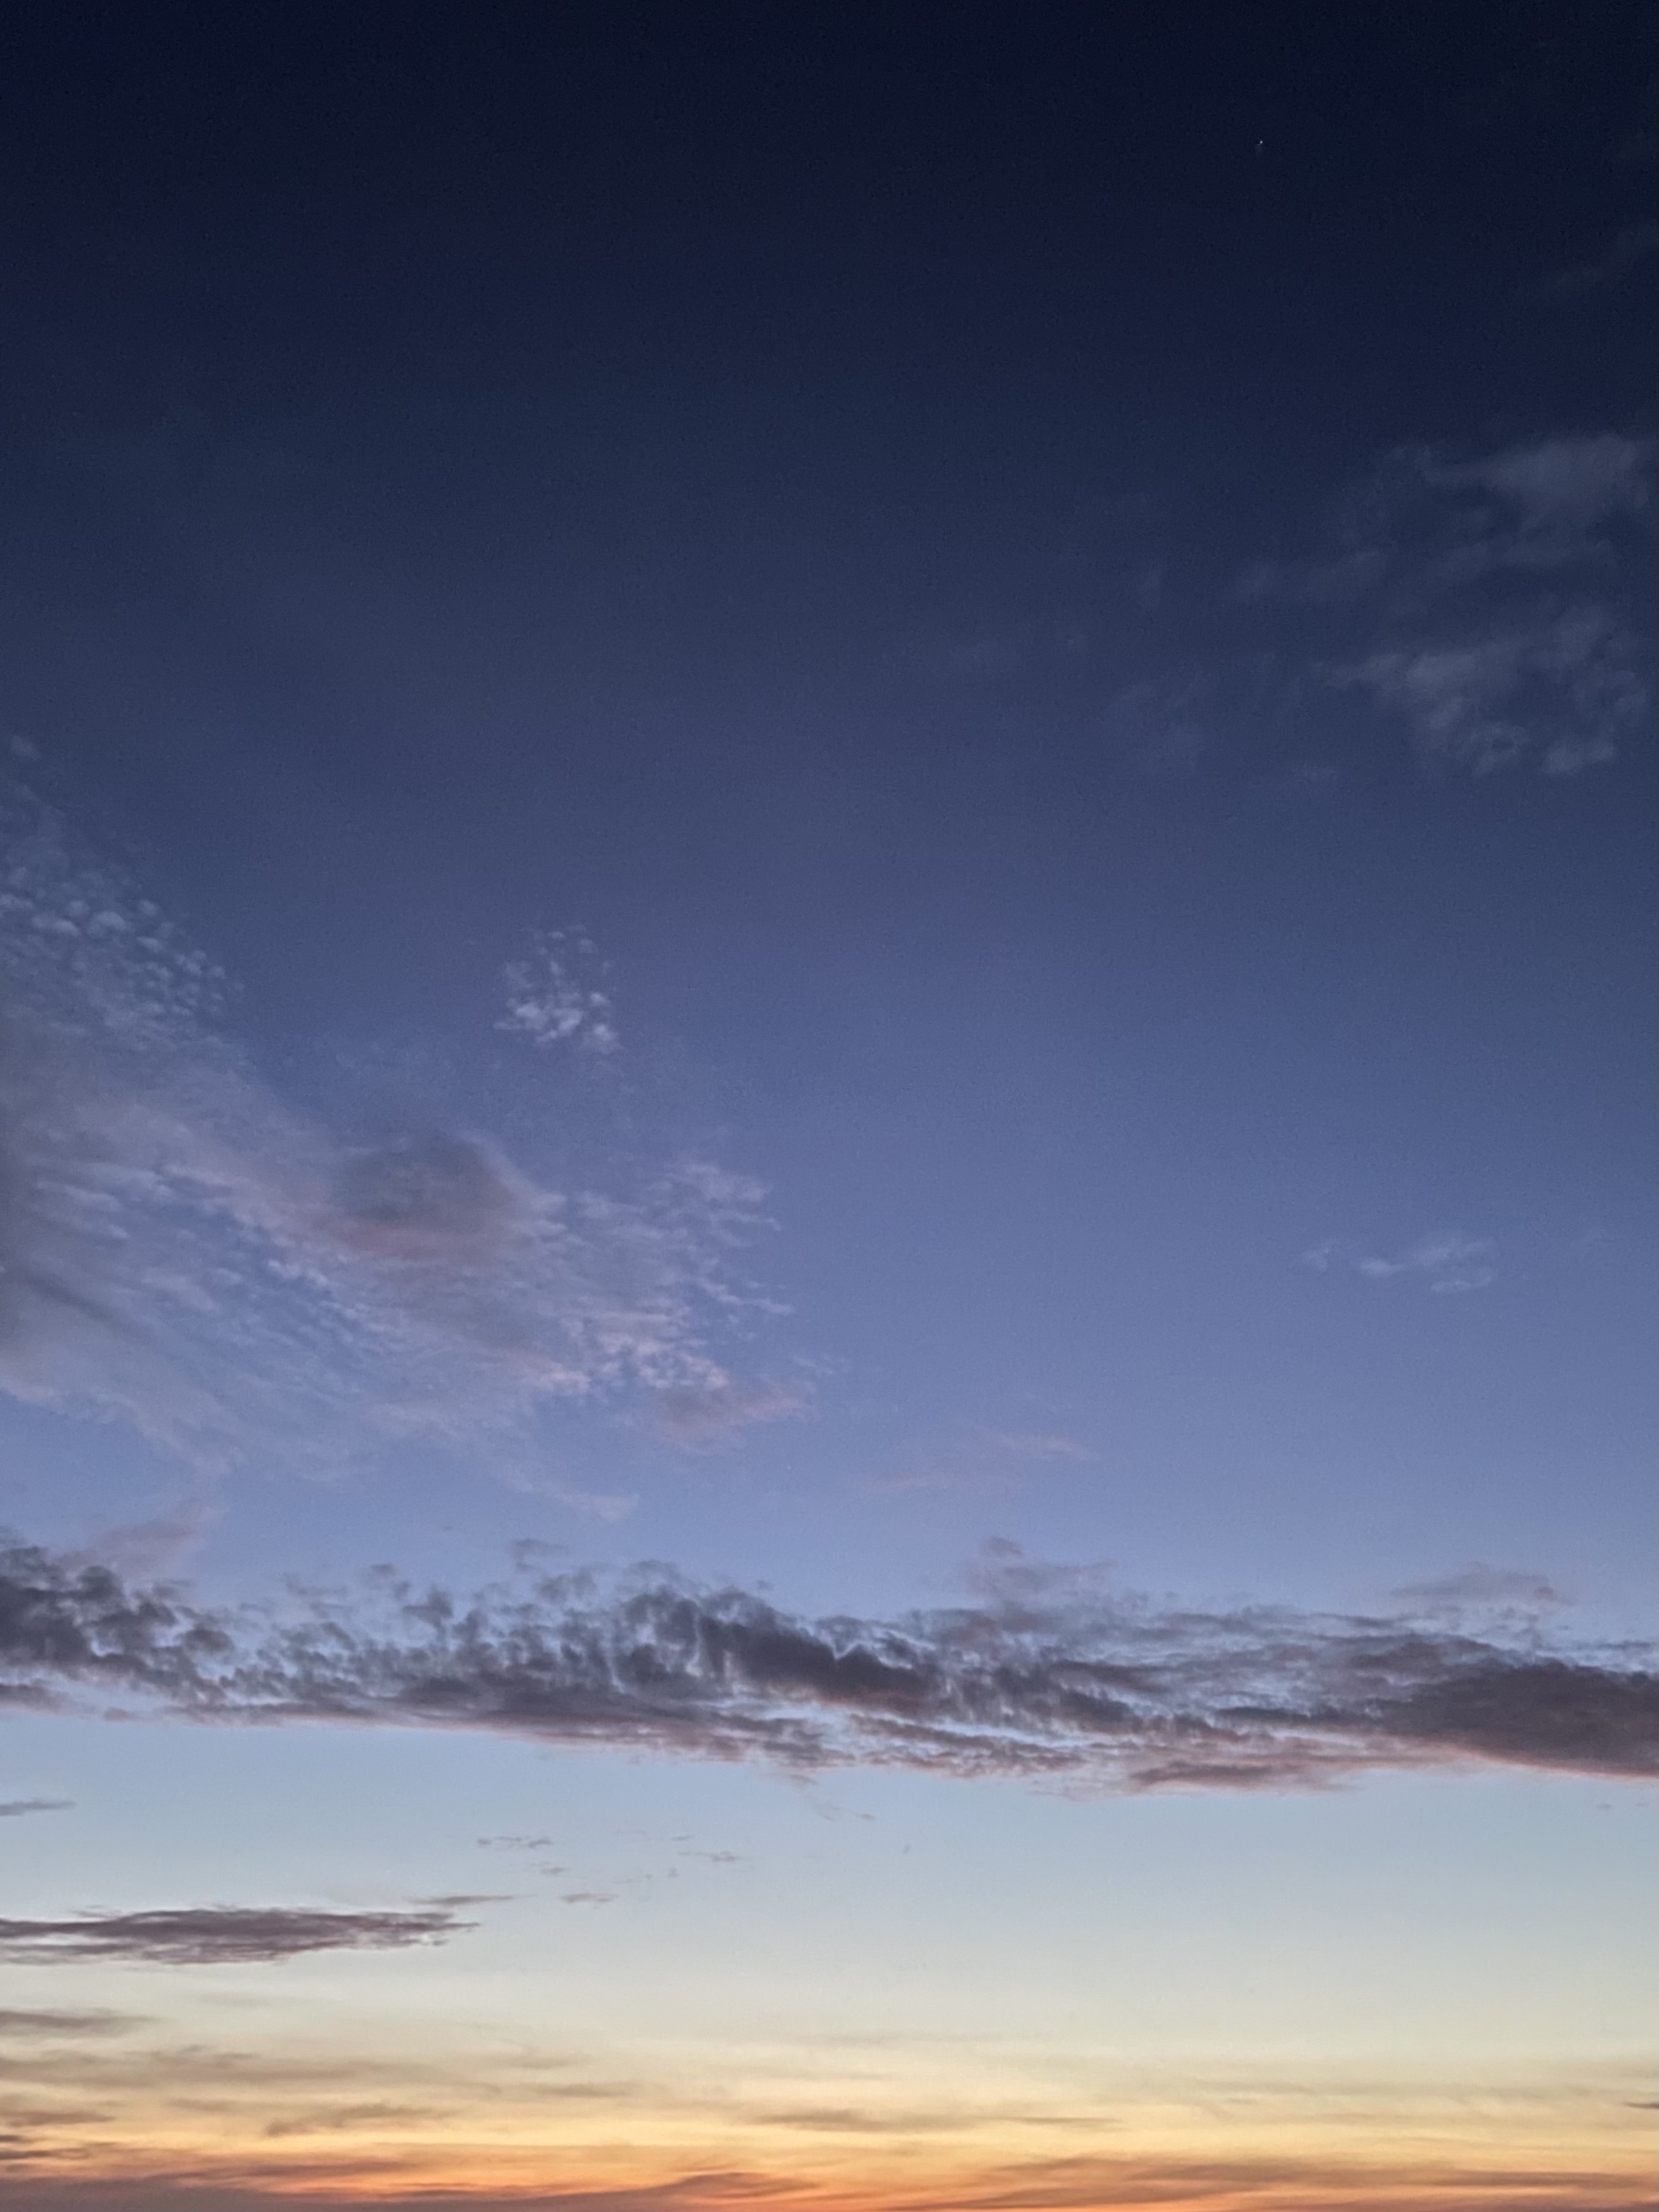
1583 2148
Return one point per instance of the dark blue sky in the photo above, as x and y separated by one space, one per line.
1060 591
861 799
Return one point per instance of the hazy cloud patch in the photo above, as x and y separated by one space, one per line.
1478 1590
1493 604
1624 254
1163 726
182 1250
1446 1261
986 1463
717 1412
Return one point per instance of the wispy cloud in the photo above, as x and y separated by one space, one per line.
212 1936
1446 1261
1493 602
1285 2182
715 1413
1623 254
1041 1444
1480 1591
14 1808
985 1462
51 2025
1480 702
339 2188
1163 726
1047 1674
181 1249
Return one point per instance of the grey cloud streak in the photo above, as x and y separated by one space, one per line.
37 2027
210 1935
1045 1676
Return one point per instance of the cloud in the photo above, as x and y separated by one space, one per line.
1289 2182
216 1936
987 1462
717 1412
1447 1261
194 2190
1625 252
331 2119
1163 726
553 998
1048 1675
32 2026
1493 604
1041 1444
1559 491
15 1808
1481 1589
183 1251
1480 701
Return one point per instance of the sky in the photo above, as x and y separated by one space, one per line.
826 1108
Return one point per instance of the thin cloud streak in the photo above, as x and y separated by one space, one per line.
1089 2184
216 1936
1446 1261
39 2026
1045 1676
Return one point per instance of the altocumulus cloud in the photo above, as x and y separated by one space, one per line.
1044 1675
182 1250
553 996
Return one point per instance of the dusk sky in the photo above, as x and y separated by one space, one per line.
826 1107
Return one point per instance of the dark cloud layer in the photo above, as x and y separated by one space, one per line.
216 1934
1046 1675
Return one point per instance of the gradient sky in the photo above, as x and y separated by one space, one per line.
826 1107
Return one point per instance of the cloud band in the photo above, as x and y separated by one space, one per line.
1044 1676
